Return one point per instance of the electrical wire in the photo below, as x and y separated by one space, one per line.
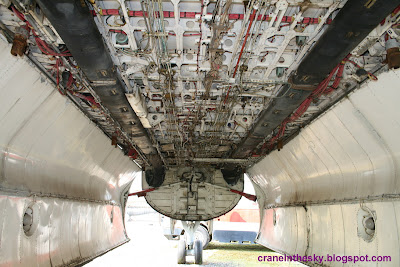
42 45
252 16
321 89
370 75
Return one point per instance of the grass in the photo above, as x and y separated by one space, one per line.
243 255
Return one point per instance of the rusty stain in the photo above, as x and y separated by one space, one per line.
114 140
19 45
279 145
393 57
349 34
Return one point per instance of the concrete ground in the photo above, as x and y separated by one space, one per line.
149 247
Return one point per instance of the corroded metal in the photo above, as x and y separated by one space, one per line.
20 42
393 57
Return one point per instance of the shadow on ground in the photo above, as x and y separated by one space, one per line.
148 247
241 255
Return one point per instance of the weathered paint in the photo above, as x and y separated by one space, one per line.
317 183
201 198
53 156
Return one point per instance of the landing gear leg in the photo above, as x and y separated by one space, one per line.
198 252
182 251
192 247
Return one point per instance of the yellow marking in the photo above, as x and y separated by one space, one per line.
370 3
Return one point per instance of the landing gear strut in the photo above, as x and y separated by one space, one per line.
188 246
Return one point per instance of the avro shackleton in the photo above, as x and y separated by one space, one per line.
300 94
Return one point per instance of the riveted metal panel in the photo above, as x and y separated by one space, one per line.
71 228
12 230
385 128
43 245
56 244
387 233
360 164
61 236
333 229
320 224
266 236
287 223
199 198
85 244
346 169
351 244
347 158
282 229
396 209
53 157
284 184
349 152
28 244
299 187
48 145
366 248
338 233
303 166
329 174
302 230
3 202
375 179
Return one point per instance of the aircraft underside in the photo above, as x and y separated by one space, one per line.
190 95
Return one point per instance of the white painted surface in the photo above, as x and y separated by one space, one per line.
351 152
202 198
332 229
49 148
69 231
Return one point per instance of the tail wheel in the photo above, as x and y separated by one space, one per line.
182 251
203 235
198 252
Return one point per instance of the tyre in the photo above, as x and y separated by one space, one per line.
155 177
198 252
203 235
182 251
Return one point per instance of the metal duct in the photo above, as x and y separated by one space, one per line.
74 23
351 25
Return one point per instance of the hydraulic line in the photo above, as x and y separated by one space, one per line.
334 45
82 37
252 16
192 15
201 35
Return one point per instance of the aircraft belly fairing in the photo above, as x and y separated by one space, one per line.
198 194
